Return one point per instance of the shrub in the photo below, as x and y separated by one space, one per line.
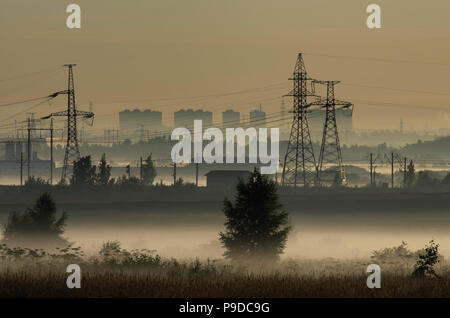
427 259
395 254
112 253
36 182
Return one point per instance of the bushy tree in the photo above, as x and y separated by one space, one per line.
337 180
148 171
38 225
179 182
410 175
256 224
427 259
128 171
446 180
425 180
104 172
83 172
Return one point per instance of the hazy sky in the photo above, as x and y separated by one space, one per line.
159 53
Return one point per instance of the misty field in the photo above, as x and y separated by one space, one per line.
126 283
132 270
147 275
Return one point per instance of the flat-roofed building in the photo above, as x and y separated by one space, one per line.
257 118
230 118
185 118
225 178
133 121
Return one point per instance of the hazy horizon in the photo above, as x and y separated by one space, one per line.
168 55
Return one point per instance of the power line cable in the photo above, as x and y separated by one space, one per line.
376 59
26 110
22 101
397 89
50 70
231 93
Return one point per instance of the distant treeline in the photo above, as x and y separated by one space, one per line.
428 151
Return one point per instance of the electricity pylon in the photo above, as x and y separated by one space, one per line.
72 151
330 150
299 163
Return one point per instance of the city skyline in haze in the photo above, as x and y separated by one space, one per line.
171 55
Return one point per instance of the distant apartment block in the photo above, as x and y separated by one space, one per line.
11 164
185 118
257 118
132 121
230 118
344 120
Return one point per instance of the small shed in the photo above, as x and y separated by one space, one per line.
225 178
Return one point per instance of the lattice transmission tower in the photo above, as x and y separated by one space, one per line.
299 166
72 151
330 150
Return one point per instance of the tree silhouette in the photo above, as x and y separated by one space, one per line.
36 226
337 180
410 175
148 171
128 171
83 172
425 180
427 259
256 225
104 172
36 182
128 181
179 182
446 180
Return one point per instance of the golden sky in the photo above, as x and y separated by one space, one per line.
169 54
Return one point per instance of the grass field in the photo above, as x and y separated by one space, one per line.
123 284
154 277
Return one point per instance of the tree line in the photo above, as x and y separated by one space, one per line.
85 172
423 179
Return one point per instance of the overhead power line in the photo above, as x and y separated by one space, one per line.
202 97
23 101
388 104
377 59
25 110
49 70
397 89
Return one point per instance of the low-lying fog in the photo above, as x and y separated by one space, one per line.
187 241
183 233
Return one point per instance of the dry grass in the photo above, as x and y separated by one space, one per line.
326 278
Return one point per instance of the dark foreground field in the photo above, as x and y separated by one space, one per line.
119 284
290 279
